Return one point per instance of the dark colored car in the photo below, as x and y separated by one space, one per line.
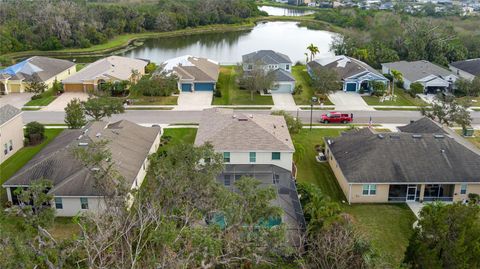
335 117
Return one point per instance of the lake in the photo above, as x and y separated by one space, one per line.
280 11
228 48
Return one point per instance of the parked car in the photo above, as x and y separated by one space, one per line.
335 117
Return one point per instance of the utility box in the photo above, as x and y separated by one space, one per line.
468 131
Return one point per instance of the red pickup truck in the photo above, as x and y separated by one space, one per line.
335 117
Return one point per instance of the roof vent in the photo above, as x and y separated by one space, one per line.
394 137
85 131
80 137
234 116
439 136
250 116
95 169
442 151
417 136
329 142
98 134
381 136
83 144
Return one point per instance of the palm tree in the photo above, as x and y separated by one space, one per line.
313 51
396 76
135 76
306 57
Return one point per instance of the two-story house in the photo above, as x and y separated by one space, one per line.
272 61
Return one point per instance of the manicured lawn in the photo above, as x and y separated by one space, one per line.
474 101
178 136
154 100
474 140
403 99
79 67
232 95
387 226
47 97
9 167
302 78
309 170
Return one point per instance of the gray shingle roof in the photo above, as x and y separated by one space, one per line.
471 66
404 158
129 145
416 70
282 75
266 57
227 131
423 125
7 112
345 66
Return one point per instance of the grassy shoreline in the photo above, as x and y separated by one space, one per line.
125 40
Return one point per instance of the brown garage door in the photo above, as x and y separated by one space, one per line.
73 87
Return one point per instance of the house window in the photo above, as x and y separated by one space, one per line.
249 67
11 145
5 149
226 157
237 177
463 189
275 155
226 180
58 203
287 67
253 157
369 189
84 203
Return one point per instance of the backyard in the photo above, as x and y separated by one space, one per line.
403 99
302 78
388 226
178 136
232 95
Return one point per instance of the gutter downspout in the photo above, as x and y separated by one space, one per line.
349 193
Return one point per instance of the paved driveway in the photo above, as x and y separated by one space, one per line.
15 99
194 100
349 101
61 102
283 101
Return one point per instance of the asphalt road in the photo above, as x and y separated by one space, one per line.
170 116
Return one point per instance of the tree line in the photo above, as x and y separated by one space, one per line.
53 25
378 37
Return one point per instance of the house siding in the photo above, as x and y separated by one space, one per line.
72 206
286 159
11 130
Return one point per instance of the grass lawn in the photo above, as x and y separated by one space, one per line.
302 78
403 99
154 100
388 226
79 67
47 97
474 140
232 95
178 136
474 101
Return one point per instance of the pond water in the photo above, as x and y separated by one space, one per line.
281 11
228 48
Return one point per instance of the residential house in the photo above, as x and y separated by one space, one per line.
355 75
15 78
256 145
423 162
433 77
11 131
194 73
277 62
467 69
74 187
109 69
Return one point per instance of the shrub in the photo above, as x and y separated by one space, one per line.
298 89
415 88
34 132
57 87
218 93
379 88
150 68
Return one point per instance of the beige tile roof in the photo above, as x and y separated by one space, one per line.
190 67
243 132
115 67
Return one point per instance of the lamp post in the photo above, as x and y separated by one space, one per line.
313 101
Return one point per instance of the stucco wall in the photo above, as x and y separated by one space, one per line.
381 195
11 130
72 206
286 159
342 181
471 188
61 76
143 170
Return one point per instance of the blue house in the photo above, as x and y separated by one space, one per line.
194 74
356 76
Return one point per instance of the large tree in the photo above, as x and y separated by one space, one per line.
74 114
36 87
447 110
325 81
256 80
447 236
101 107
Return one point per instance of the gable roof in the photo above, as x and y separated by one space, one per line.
195 68
128 143
471 66
422 126
345 66
266 57
8 112
404 158
282 75
112 67
36 68
417 70
227 131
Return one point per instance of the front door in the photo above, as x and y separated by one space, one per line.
411 193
